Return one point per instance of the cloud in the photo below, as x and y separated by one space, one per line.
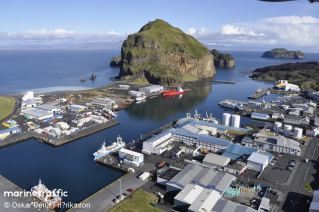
293 31
191 31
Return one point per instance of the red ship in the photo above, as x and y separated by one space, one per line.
173 92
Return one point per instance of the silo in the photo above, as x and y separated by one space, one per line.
298 132
287 129
278 126
235 122
215 121
226 119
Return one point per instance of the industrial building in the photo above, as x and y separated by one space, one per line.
30 103
136 93
296 120
48 108
6 132
302 106
152 89
77 108
204 177
131 157
216 161
314 206
284 85
270 141
308 111
36 114
260 116
257 161
312 132
252 104
223 205
166 173
124 87
27 96
103 102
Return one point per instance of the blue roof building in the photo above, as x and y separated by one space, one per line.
235 151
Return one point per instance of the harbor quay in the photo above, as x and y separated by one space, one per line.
17 138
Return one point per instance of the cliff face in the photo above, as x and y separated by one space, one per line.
164 55
284 54
222 60
115 61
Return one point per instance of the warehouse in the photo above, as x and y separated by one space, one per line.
49 108
36 114
166 173
216 161
271 142
103 102
237 152
6 132
260 116
205 177
77 108
30 103
124 87
152 89
136 93
257 161
131 157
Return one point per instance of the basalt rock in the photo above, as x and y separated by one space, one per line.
223 60
115 61
281 53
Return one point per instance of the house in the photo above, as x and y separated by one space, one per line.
308 111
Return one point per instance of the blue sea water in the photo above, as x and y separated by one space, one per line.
71 167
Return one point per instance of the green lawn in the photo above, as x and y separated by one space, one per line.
314 185
139 203
6 106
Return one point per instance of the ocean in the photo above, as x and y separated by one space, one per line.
71 167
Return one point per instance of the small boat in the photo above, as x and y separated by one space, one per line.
177 91
258 90
140 98
268 93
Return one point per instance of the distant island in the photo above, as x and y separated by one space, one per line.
281 53
162 54
222 60
293 72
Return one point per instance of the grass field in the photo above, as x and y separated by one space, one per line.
139 203
314 185
6 106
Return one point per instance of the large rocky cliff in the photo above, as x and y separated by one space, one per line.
284 54
115 61
164 55
223 60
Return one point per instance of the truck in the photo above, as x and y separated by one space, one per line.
161 164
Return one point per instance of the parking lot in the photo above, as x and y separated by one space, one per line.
271 172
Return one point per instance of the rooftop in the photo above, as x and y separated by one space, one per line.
259 115
8 130
130 152
235 152
216 159
36 112
229 206
258 158
169 173
47 107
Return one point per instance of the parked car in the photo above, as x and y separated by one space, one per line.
292 163
272 163
293 160
130 190
306 160
290 168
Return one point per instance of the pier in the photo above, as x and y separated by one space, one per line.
20 137
258 95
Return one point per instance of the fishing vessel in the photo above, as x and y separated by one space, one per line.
179 90
140 98
41 192
105 150
111 113
233 105
258 90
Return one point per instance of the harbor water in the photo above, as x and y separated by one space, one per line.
71 167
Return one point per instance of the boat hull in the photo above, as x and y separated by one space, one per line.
171 93
108 152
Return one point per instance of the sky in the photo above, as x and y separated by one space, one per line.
230 24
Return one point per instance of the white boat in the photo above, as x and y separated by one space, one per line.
140 98
228 105
41 192
113 114
105 150
268 93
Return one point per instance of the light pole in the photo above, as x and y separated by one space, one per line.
120 189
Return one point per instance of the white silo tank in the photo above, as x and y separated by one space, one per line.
235 122
226 119
298 132
215 121
278 126
287 129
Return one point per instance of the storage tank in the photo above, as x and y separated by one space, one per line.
287 129
278 126
298 132
235 122
226 119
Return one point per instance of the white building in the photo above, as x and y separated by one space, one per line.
257 161
216 161
124 87
103 102
152 89
30 103
136 93
271 142
296 120
260 116
49 108
158 144
37 114
6 132
131 157
291 87
302 106
27 96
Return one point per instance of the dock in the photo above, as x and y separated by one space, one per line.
258 95
20 137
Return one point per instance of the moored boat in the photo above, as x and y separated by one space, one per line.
140 98
42 193
177 91
105 150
